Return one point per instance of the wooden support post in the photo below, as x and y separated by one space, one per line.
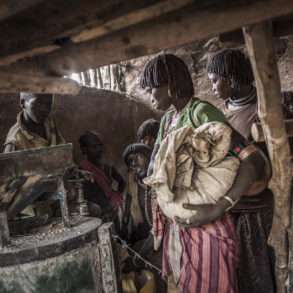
4 230
63 203
109 263
15 83
258 134
259 43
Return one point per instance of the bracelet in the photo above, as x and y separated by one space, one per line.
231 201
247 151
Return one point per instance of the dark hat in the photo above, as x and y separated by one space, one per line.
149 127
88 136
136 148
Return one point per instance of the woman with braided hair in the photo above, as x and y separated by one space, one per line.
232 79
199 253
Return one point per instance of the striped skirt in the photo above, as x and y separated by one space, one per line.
208 257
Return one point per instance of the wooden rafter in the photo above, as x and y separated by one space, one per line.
281 28
50 25
259 43
52 21
15 83
175 29
9 8
130 19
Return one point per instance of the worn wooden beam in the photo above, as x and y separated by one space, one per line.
259 43
54 22
15 83
257 132
6 60
9 8
129 19
281 28
174 29
138 11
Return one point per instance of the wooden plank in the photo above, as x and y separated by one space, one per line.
55 21
281 28
27 54
94 28
177 28
12 7
129 19
15 83
259 43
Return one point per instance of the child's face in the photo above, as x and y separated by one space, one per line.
160 98
221 87
148 140
139 164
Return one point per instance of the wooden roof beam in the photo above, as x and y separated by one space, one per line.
9 8
281 28
15 83
52 24
174 29
92 30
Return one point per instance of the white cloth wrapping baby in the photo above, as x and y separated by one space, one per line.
192 166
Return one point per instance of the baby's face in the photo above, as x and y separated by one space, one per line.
202 148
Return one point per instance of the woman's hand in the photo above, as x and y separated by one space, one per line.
205 213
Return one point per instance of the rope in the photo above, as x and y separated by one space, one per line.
135 254
146 210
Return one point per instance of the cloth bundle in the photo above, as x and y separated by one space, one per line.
192 166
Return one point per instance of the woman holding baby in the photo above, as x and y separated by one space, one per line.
200 253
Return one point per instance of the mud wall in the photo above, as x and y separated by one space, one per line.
113 115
